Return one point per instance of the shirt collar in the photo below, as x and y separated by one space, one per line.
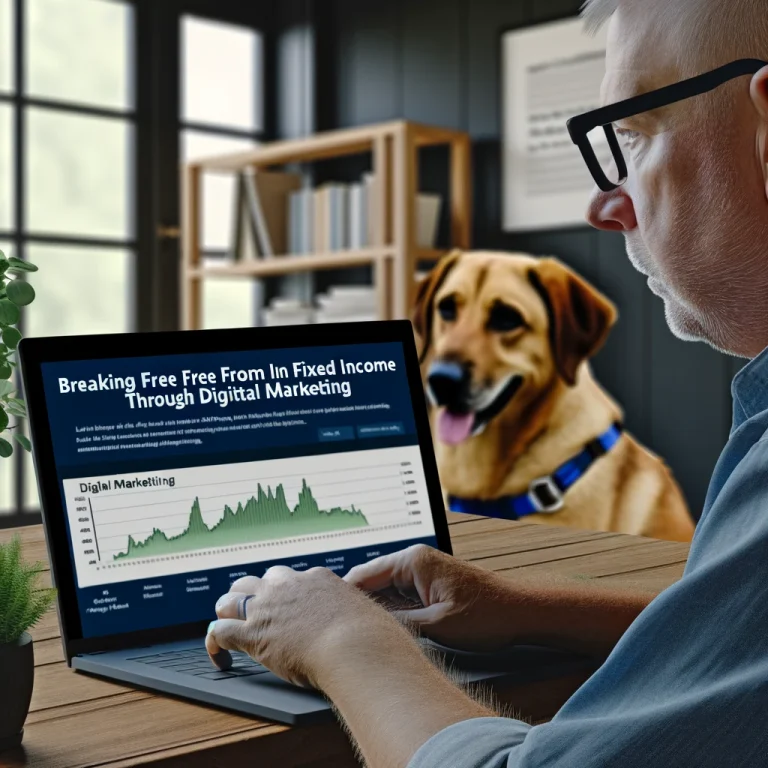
749 389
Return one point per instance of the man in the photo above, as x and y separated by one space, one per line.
687 681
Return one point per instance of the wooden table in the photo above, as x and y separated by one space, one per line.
76 720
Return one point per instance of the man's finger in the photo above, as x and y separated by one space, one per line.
223 636
248 585
375 575
426 615
278 571
233 605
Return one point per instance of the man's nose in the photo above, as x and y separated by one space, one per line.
611 211
448 382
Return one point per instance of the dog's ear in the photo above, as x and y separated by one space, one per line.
579 315
421 316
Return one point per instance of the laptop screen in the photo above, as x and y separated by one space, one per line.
181 473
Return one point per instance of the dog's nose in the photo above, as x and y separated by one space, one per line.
449 383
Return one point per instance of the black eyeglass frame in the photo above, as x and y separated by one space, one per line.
580 125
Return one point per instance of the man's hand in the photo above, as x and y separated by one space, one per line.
453 602
294 622
466 607
313 629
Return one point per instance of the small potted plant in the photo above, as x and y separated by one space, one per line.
22 604
15 292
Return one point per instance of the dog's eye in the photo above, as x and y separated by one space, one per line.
447 308
504 318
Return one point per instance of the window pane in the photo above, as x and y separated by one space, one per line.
7 466
77 174
6 166
31 500
221 66
6 45
79 290
79 50
7 485
218 189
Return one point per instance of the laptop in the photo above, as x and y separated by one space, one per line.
170 465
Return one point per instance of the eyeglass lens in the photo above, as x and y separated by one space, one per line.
604 154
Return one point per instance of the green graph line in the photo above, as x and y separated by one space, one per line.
264 517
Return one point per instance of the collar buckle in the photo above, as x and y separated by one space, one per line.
545 495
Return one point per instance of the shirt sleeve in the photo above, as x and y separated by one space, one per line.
483 742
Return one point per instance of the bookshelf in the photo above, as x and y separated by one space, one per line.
393 254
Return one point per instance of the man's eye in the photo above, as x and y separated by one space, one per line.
447 308
627 136
504 318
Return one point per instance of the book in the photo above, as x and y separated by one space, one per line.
357 217
266 193
244 232
427 218
320 228
306 218
337 215
294 221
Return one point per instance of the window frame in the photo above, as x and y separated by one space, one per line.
155 162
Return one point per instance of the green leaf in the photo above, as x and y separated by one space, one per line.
20 292
6 449
22 602
6 369
9 312
3 265
23 441
3 420
14 410
21 265
6 388
11 337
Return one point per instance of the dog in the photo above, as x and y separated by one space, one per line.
522 430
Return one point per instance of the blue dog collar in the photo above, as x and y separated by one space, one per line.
545 494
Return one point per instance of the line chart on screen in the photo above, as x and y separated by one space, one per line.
171 521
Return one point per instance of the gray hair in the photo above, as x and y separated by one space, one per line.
596 13
711 34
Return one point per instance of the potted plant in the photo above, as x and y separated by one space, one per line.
22 605
15 292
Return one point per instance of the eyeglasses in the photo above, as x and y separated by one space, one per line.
594 134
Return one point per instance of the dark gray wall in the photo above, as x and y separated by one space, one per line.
437 61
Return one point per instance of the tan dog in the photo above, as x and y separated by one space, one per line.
505 340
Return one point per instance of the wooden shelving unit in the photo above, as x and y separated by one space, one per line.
393 255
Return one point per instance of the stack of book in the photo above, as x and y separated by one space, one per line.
346 304
260 221
282 311
337 217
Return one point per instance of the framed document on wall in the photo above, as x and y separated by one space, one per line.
550 72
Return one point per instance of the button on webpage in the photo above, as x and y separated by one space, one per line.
380 430
336 433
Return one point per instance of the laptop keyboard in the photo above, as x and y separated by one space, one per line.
197 662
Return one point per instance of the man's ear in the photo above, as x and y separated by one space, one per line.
423 310
758 93
579 315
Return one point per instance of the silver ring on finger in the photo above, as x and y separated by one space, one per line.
242 607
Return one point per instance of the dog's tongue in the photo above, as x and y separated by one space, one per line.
452 428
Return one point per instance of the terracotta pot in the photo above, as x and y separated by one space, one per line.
17 675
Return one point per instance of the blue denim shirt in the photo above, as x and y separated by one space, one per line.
687 684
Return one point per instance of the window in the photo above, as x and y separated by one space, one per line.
89 163
221 112
67 114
